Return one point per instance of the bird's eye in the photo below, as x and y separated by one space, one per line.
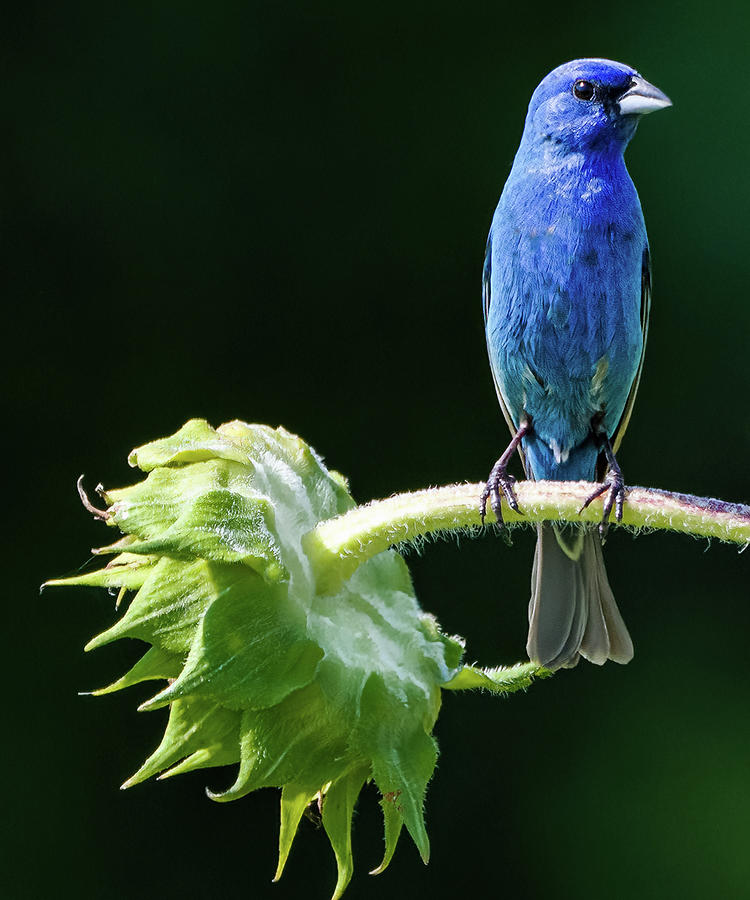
584 90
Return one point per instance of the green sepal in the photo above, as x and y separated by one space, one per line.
499 680
195 441
249 650
302 740
402 752
124 571
195 727
393 822
206 757
155 665
167 609
338 809
121 546
148 508
223 526
453 646
295 798
286 461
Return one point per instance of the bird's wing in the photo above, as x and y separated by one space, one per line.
617 435
486 300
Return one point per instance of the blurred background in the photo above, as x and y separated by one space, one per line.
277 212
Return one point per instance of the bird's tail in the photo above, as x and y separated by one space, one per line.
572 611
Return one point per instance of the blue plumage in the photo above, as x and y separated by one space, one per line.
567 290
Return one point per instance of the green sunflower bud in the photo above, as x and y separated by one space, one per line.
311 682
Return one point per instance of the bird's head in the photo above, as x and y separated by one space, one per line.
590 104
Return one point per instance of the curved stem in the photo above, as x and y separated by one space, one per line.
337 546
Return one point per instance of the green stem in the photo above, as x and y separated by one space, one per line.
337 546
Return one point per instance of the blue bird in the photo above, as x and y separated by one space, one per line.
567 290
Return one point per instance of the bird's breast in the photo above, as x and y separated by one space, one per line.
563 327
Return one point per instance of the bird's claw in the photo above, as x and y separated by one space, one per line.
498 481
614 487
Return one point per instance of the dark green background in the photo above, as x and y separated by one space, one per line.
277 212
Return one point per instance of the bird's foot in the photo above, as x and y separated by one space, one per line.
498 481
614 487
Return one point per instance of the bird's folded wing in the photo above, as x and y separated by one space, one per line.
486 300
617 435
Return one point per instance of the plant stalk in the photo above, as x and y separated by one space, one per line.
337 546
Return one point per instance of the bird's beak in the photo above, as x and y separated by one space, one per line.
641 98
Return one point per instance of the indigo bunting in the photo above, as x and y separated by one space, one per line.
567 289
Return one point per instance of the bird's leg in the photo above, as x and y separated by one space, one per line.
500 479
613 485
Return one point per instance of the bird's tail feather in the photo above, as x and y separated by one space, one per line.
572 611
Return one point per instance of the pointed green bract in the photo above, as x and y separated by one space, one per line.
195 441
248 651
124 571
310 690
220 525
155 665
295 798
338 809
500 680
393 822
401 769
169 606
195 726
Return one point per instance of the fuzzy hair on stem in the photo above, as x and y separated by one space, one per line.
340 545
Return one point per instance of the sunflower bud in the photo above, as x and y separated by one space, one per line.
309 684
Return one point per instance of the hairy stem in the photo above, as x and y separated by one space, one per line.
337 546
